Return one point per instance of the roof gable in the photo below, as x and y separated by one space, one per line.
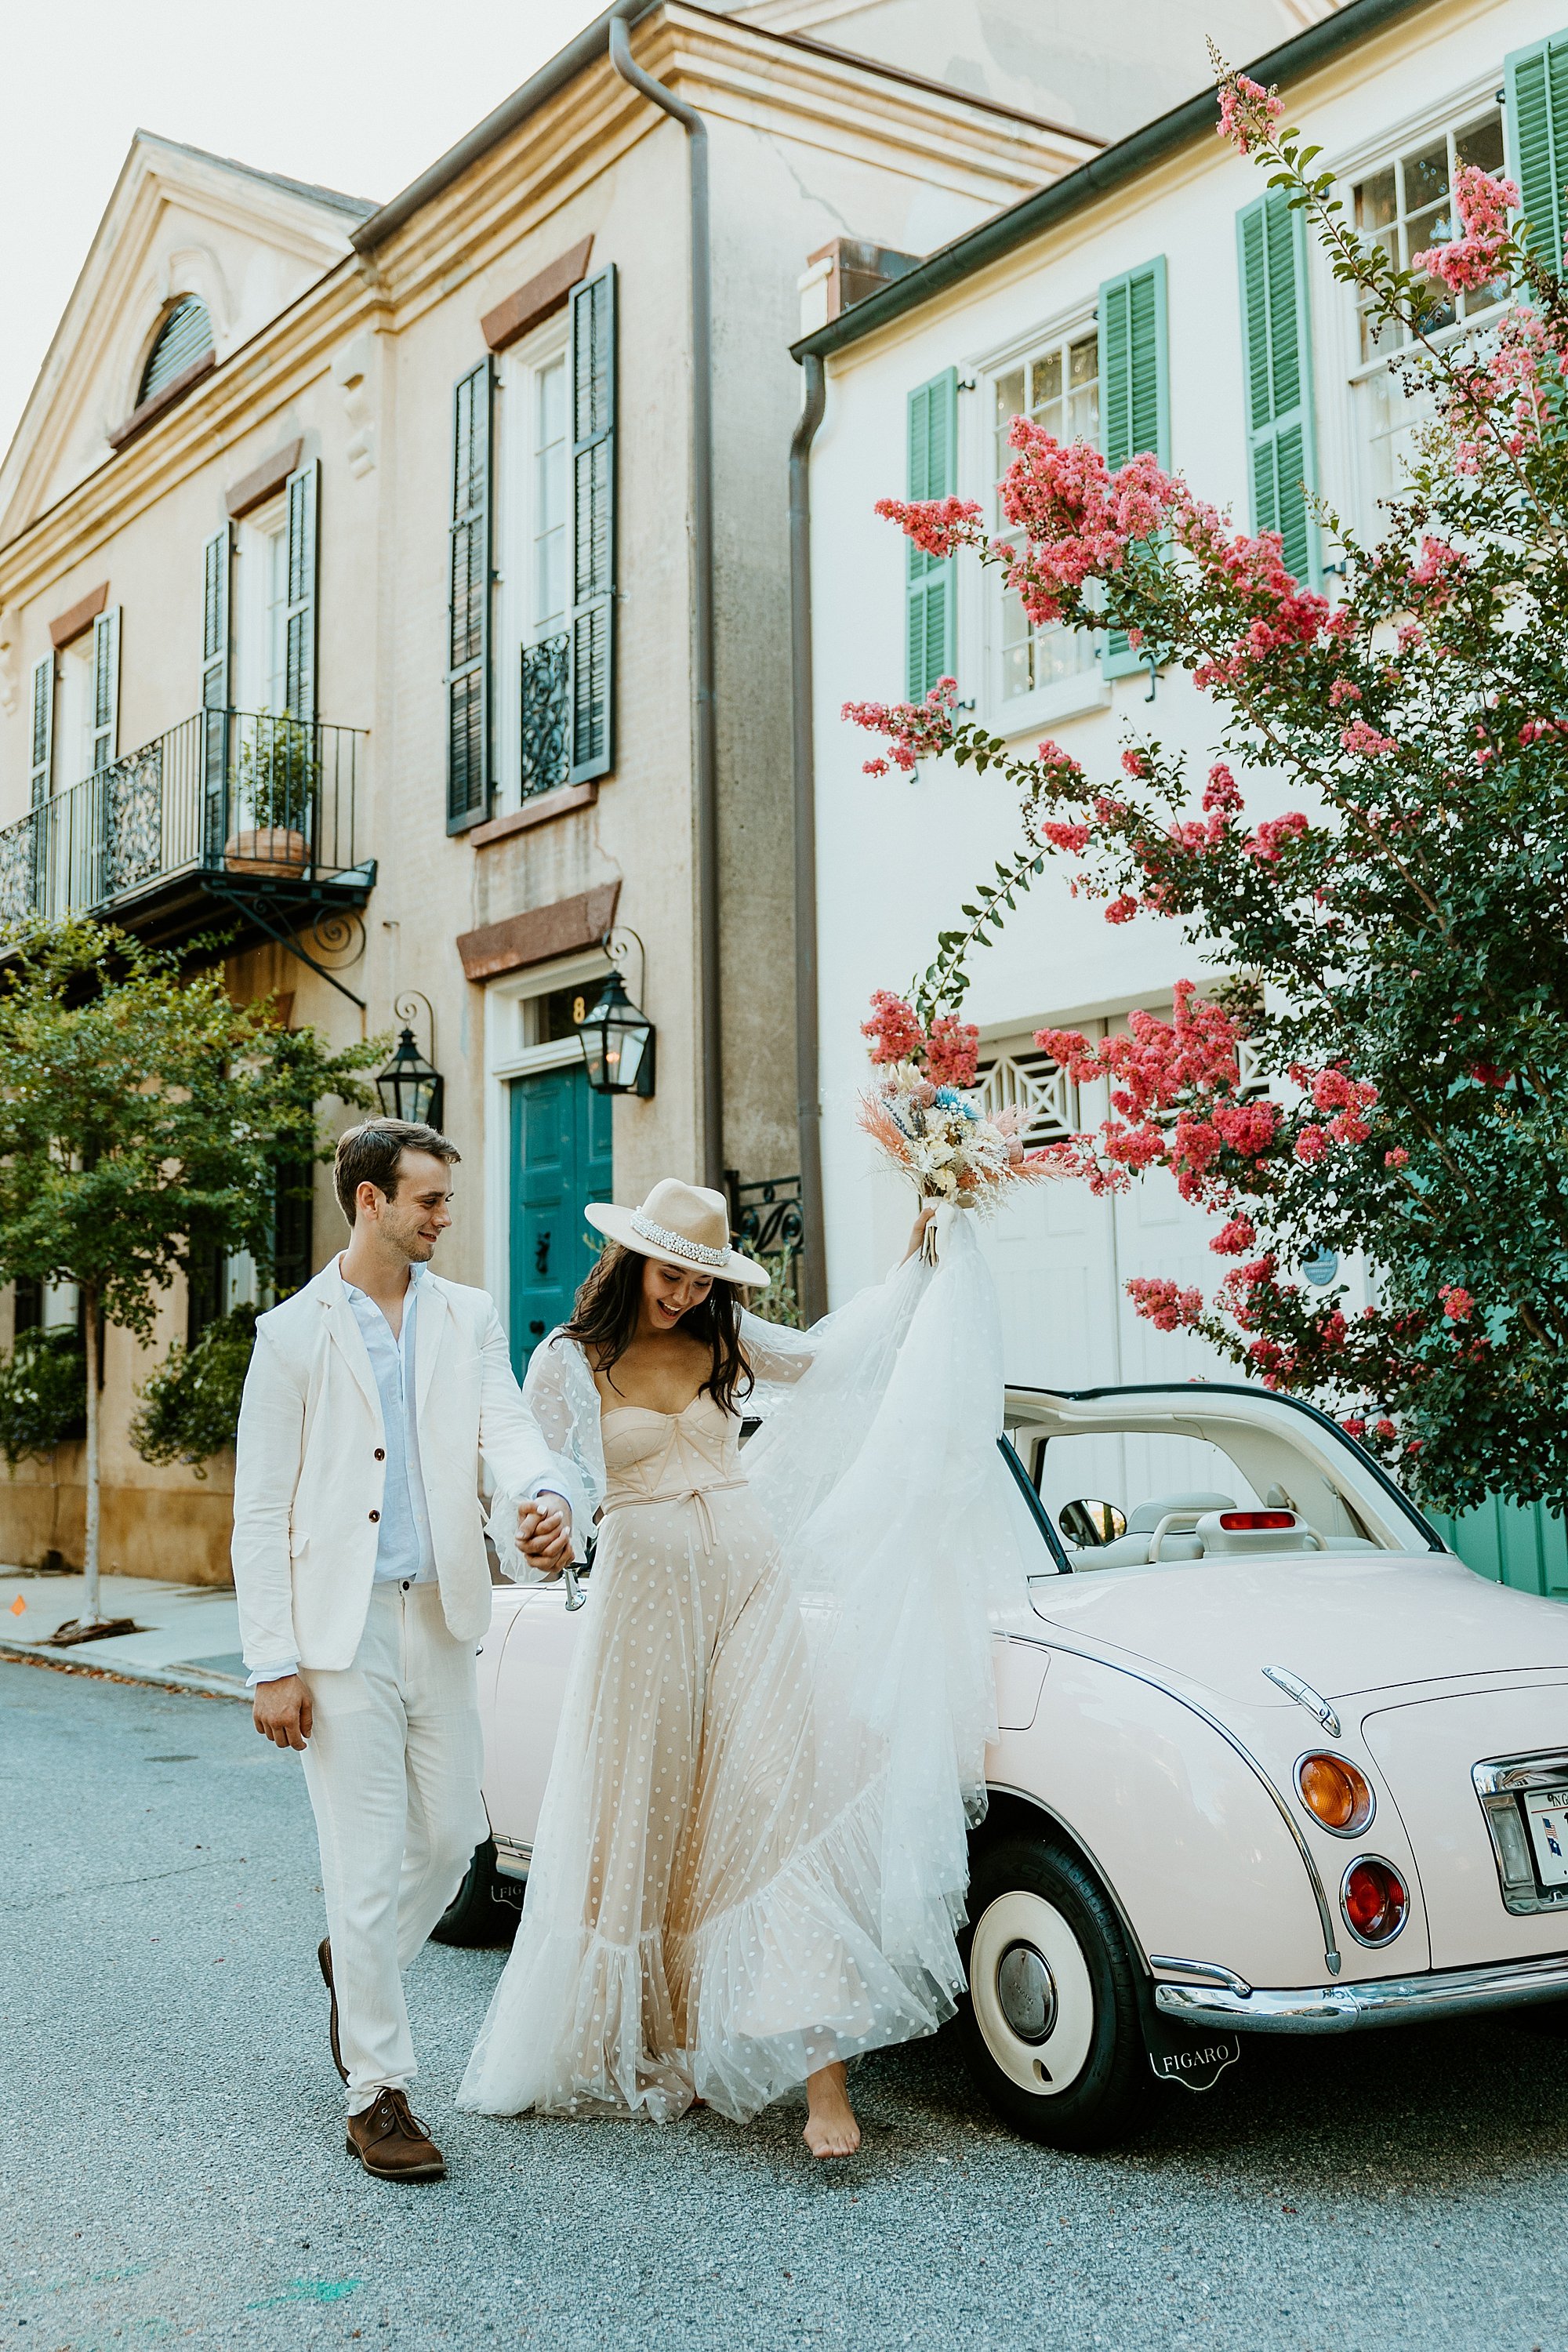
246 242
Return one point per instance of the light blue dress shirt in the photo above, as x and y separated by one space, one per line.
404 1550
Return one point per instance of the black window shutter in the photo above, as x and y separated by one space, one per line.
469 610
218 555
302 491
592 396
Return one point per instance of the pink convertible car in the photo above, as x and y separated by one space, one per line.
1271 1758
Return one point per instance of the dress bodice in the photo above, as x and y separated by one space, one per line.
655 1457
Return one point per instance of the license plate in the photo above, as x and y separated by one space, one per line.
1546 1810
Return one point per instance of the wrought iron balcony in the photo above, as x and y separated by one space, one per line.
232 818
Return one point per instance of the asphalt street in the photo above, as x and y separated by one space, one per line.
171 2162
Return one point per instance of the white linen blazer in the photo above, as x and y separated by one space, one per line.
311 1466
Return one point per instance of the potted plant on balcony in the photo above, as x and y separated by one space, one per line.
274 785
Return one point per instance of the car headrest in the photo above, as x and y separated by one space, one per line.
1148 1516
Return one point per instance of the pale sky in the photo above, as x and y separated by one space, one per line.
359 98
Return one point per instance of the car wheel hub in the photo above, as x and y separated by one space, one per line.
1031 1994
1026 1992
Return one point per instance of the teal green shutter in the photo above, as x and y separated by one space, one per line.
930 636
1537 124
1278 349
469 603
1134 394
592 393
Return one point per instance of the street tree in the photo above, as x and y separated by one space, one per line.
1382 1068
144 1120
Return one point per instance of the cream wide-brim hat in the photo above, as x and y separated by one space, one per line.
684 1225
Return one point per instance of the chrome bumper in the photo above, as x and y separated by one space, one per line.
1385 2000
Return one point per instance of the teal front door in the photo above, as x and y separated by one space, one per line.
560 1159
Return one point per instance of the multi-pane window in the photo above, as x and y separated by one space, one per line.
544 732
550 490
1056 387
1407 207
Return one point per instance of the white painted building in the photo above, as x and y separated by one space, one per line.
1028 313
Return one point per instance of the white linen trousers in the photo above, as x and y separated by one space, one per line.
393 1770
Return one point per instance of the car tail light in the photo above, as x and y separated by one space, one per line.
1243 1521
1335 1794
1374 1900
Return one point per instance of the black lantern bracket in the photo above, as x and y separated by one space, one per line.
411 1087
618 1039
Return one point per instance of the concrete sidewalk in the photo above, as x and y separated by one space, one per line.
188 1636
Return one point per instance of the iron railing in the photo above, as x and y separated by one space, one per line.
546 715
240 795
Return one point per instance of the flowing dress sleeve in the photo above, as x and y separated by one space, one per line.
559 1391
909 1547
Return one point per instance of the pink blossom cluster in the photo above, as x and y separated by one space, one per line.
1457 1303
1149 1068
938 526
915 730
1473 260
1504 392
1063 835
1166 1306
1363 741
1534 729
1078 518
1440 569
1274 833
1248 112
946 1053
1284 614
1221 791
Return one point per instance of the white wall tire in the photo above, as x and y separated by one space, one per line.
1050 2026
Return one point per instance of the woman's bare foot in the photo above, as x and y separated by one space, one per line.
830 2125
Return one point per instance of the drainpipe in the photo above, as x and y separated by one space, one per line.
696 132
813 1285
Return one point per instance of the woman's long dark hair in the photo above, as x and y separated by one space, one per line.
604 1320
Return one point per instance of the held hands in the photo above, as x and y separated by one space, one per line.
281 1711
545 1535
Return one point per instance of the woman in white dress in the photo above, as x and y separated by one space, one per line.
739 1881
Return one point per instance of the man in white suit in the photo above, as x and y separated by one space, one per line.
364 1583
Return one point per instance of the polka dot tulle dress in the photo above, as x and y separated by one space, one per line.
729 1887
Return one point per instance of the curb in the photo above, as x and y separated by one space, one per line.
130 1669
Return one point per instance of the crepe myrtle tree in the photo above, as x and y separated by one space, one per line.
1399 920
143 1119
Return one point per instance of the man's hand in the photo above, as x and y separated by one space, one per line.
281 1711
545 1535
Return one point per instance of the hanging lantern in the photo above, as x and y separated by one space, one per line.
408 1086
618 1043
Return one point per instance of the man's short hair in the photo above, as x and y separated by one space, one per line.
370 1154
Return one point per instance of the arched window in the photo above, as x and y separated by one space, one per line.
186 334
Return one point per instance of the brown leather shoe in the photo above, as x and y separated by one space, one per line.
324 1961
393 2144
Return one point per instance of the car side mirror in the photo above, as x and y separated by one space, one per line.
1086 1524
